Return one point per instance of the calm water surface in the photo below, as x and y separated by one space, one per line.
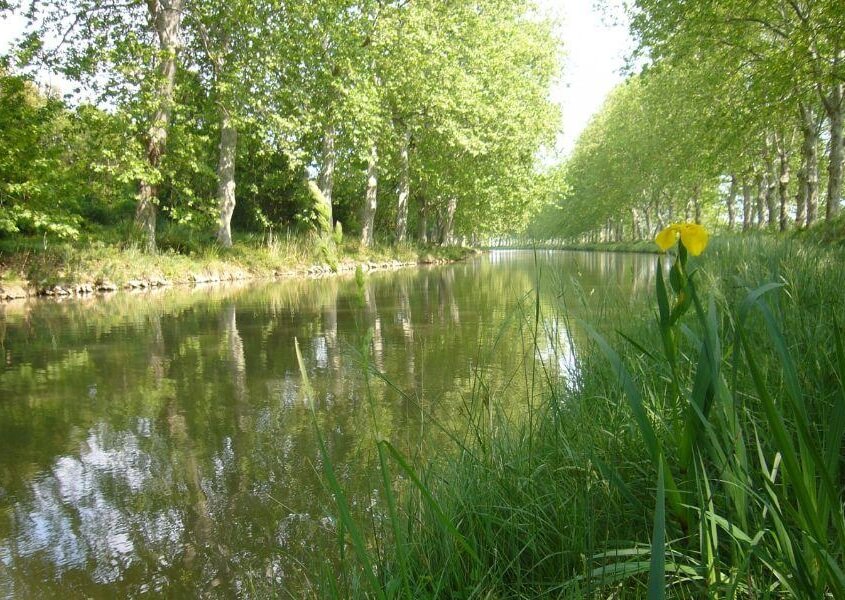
159 444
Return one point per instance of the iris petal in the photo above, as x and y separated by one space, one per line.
694 237
667 238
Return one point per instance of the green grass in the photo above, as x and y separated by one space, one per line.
115 255
639 247
826 233
698 453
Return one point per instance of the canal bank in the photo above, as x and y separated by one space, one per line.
81 271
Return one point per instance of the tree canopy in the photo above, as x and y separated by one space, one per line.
211 114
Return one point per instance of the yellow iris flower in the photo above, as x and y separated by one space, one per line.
692 235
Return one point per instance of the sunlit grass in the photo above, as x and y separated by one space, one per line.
114 256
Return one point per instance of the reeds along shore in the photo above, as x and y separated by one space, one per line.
697 453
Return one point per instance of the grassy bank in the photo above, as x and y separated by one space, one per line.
36 266
828 233
699 452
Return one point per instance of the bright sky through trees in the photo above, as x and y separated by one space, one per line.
595 53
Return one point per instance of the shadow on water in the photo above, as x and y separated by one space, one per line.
159 442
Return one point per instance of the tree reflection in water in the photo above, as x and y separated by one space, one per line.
159 442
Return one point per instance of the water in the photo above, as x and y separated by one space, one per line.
159 443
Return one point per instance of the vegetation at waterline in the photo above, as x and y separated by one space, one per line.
184 259
413 121
633 246
701 451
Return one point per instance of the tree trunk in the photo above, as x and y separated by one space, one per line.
808 176
226 177
404 188
329 159
145 212
771 182
732 203
760 205
659 222
833 105
783 183
167 22
371 199
448 222
696 204
747 216
801 195
423 226
635 225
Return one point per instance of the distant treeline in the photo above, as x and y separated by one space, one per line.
735 117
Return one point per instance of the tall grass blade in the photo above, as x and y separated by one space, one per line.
399 542
337 490
814 467
612 476
808 510
657 566
443 520
635 401
836 432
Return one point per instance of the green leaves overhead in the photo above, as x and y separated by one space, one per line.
468 83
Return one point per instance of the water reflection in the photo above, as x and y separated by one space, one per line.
158 443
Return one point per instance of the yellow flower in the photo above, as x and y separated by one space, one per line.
692 235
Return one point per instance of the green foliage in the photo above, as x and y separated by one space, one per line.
492 109
61 170
337 234
320 215
830 232
469 86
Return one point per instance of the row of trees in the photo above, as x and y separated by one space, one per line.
736 118
415 118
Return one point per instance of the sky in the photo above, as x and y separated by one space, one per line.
10 28
595 53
